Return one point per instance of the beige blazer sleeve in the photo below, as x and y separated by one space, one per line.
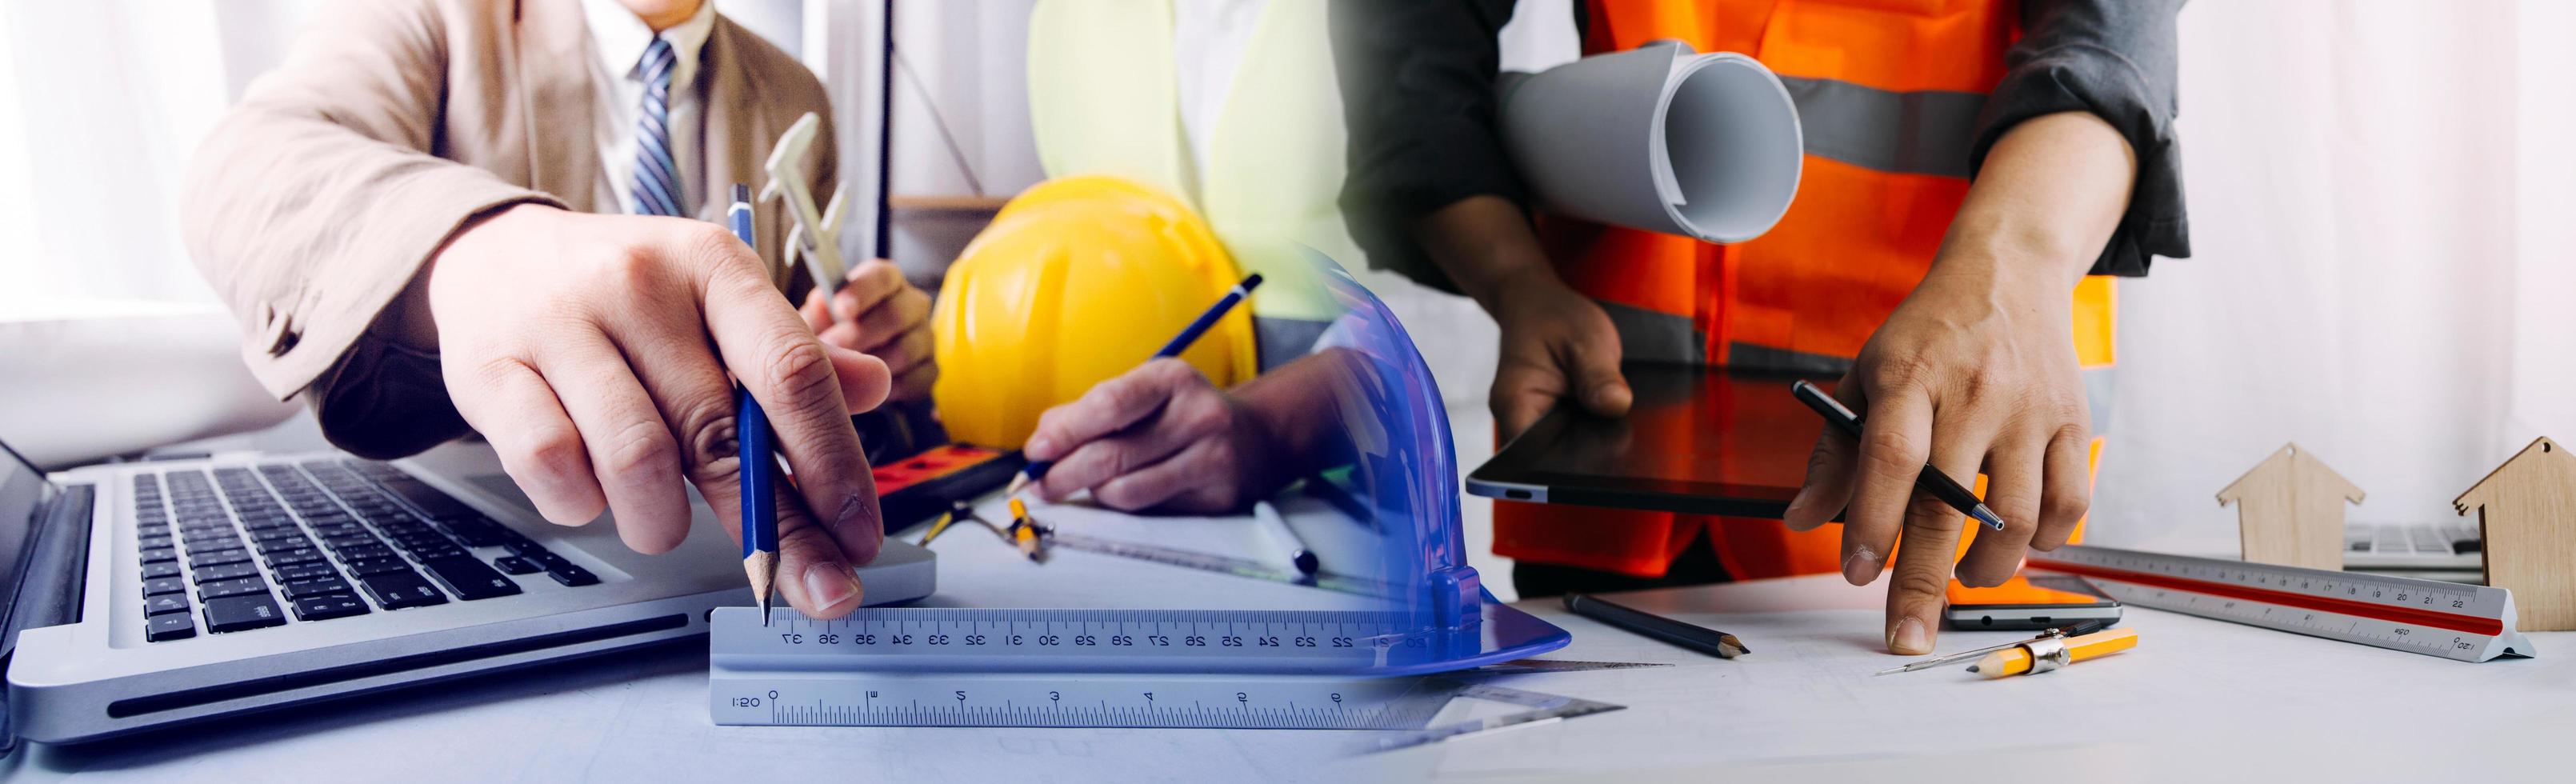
317 198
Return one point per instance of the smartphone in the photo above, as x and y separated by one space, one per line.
2028 603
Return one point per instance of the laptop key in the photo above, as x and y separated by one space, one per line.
427 499
362 567
161 585
218 558
475 531
436 552
363 551
165 603
307 572
571 575
221 573
160 555
468 577
397 590
238 613
292 557
350 540
152 543
314 587
281 544
155 571
174 626
329 606
512 564
208 592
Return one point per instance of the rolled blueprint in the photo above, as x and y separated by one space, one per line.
1657 138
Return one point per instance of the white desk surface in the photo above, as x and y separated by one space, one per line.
2195 696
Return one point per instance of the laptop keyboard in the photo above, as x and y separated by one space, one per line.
317 541
2443 538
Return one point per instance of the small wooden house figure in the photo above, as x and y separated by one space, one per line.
2527 513
2289 510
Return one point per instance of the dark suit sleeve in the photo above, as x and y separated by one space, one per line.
1417 82
2116 59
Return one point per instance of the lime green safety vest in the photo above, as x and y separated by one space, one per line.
1104 99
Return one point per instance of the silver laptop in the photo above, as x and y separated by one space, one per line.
148 594
2451 550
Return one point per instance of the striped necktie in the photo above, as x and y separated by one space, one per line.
657 179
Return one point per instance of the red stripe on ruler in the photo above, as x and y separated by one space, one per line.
2440 620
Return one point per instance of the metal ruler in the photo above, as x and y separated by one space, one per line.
903 667
2451 620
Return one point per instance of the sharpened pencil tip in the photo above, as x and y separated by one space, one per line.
1972 668
1728 647
1019 482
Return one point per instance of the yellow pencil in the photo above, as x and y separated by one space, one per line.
2016 660
1024 531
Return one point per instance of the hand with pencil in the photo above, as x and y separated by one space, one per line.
1161 437
600 354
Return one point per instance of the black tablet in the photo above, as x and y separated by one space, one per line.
1698 440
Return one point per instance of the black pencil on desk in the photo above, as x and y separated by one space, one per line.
1940 485
1692 636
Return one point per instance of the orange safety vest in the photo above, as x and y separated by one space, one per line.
1888 92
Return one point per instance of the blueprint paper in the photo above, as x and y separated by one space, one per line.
1657 138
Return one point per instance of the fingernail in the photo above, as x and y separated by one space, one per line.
1908 638
1037 447
1796 514
828 584
1861 566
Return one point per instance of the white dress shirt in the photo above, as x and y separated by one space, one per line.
617 42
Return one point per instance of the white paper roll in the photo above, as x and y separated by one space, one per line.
1658 138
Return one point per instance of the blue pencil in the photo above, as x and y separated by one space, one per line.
756 445
1037 469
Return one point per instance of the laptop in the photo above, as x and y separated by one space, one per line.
143 595
2449 550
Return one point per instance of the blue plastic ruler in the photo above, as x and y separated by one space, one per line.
938 667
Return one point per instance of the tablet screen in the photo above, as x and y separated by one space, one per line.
1697 440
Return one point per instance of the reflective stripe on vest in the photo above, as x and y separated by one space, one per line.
1888 92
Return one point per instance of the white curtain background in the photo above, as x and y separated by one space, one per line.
2383 261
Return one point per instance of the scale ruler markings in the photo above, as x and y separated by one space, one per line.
2451 620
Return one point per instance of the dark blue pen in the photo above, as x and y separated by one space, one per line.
759 470
1037 469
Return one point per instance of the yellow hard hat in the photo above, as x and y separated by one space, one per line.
1077 281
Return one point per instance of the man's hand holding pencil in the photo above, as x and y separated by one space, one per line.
592 351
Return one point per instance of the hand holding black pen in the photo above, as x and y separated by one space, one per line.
1932 481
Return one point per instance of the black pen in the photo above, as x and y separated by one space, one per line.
1692 636
1931 480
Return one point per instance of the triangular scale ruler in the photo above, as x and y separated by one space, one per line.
2451 620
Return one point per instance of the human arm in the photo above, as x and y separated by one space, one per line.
1162 437
580 345
2077 169
1431 194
